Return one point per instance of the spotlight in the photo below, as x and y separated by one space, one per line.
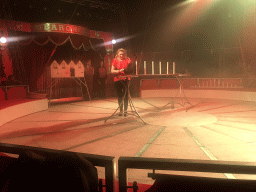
3 40
113 41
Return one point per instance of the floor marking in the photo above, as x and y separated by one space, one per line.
143 149
223 106
101 138
216 131
206 151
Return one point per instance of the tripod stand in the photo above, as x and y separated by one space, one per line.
181 92
133 110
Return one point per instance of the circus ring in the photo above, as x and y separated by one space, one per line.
169 141
15 102
31 48
211 88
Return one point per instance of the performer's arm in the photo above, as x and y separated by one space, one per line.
115 71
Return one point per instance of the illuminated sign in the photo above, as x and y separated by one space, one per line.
60 28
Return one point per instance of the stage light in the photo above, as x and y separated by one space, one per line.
2 40
113 41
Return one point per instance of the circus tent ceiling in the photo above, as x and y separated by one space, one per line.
156 25
103 15
95 15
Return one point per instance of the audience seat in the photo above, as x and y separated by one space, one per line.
59 172
164 182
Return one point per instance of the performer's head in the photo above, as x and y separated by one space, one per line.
11 78
101 63
88 63
121 54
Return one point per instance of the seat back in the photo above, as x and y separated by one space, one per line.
62 172
185 183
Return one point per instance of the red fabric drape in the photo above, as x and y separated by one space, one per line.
35 58
33 51
77 41
98 46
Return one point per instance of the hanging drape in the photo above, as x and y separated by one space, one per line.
35 58
98 46
32 52
2 73
67 53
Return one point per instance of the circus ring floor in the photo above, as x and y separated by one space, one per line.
215 129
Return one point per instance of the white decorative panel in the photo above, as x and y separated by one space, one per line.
65 69
79 70
72 66
55 69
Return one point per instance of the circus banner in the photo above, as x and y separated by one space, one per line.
60 28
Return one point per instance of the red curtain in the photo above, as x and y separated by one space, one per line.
32 52
35 58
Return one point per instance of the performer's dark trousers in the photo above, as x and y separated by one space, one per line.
102 88
121 87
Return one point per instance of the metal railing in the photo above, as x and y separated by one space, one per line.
212 83
125 163
96 160
212 166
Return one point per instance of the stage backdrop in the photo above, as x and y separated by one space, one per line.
32 52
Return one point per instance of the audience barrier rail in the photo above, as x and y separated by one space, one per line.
97 160
211 166
226 167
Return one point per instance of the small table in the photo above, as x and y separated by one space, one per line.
80 82
130 103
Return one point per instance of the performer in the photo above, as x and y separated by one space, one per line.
119 63
102 79
88 74
13 81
